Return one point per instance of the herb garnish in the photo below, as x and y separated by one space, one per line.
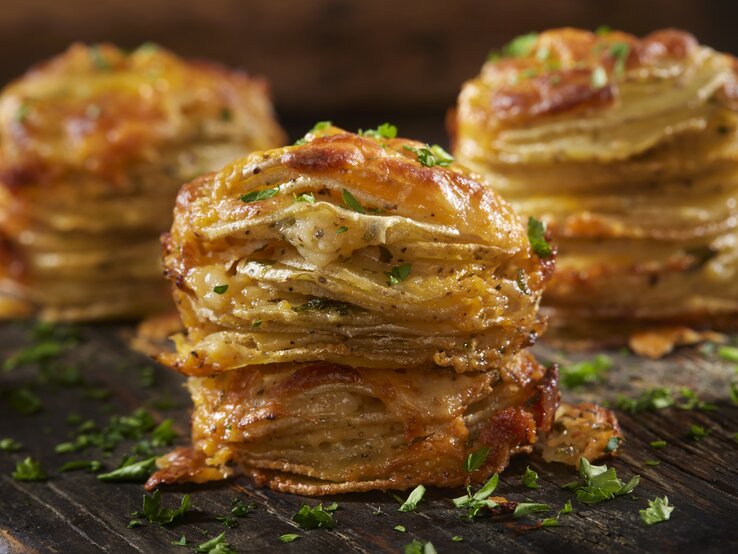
658 511
537 238
304 197
599 483
620 51
289 537
519 47
24 401
526 508
658 444
91 465
352 202
220 289
29 469
530 478
660 398
475 502
398 274
314 518
415 496
475 460
257 195
154 512
698 432
216 545
385 130
319 126
585 372
419 547
341 229
729 353
431 155
240 509
181 542
399 528
134 471
10 445
324 304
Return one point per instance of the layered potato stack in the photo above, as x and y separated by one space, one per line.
94 145
627 148
357 308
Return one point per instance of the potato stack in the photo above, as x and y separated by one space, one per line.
94 145
357 309
627 149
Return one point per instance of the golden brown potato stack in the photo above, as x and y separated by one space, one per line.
627 148
94 145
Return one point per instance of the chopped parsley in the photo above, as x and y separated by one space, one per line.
216 545
537 238
415 496
522 282
599 483
612 444
566 509
603 30
475 460
734 393
133 472
163 434
658 444
652 463
240 509
341 229
431 155
37 352
314 518
599 77
29 469
620 51
419 547
256 324
658 511
550 522
324 304
289 537
90 465
475 502
351 202
585 372
220 289
526 508
698 432
10 445
519 47
24 401
457 538
181 542
398 274
385 130
319 126
304 197
257 195
154 512
226 114
530 478
729 353
660 398
400 528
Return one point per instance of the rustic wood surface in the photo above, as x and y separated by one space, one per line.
73 512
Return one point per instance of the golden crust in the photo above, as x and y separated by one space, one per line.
310 280
627 149
94 145
323 429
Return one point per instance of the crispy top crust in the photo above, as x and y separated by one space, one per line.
329 220
556 72
98 109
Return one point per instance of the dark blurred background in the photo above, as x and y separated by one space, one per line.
356 62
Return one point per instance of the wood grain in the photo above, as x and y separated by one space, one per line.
73 512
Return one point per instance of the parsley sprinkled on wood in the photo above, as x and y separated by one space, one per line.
698 432
216 545
537 238
599 483
400 528
658 444
132 472
431 155
475 502
457 538
314 518
240 509
729 353
9 445
154 512
289 537
658 511
398 274
29 469
415 496
257 195
586 372
530 478
90 465
419 547
181 542
220 289
526 508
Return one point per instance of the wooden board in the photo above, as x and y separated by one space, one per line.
73 512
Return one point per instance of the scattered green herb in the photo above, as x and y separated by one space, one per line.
154 512
241 509
599 483
181 542
658 444
289 537
734 393
313 518
457 538
585 372
258 195
351 202
398 274
698 432
29 469
220 289
324 304
24 401
90 465
526 508
341 229
530 478
400 528
164 434
256 324
729 353
620 51
216 545
431 155
419 547
475 502
475 460
415 496
652 463
10 445
658 511
134 472
537 238
304 197
385 130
